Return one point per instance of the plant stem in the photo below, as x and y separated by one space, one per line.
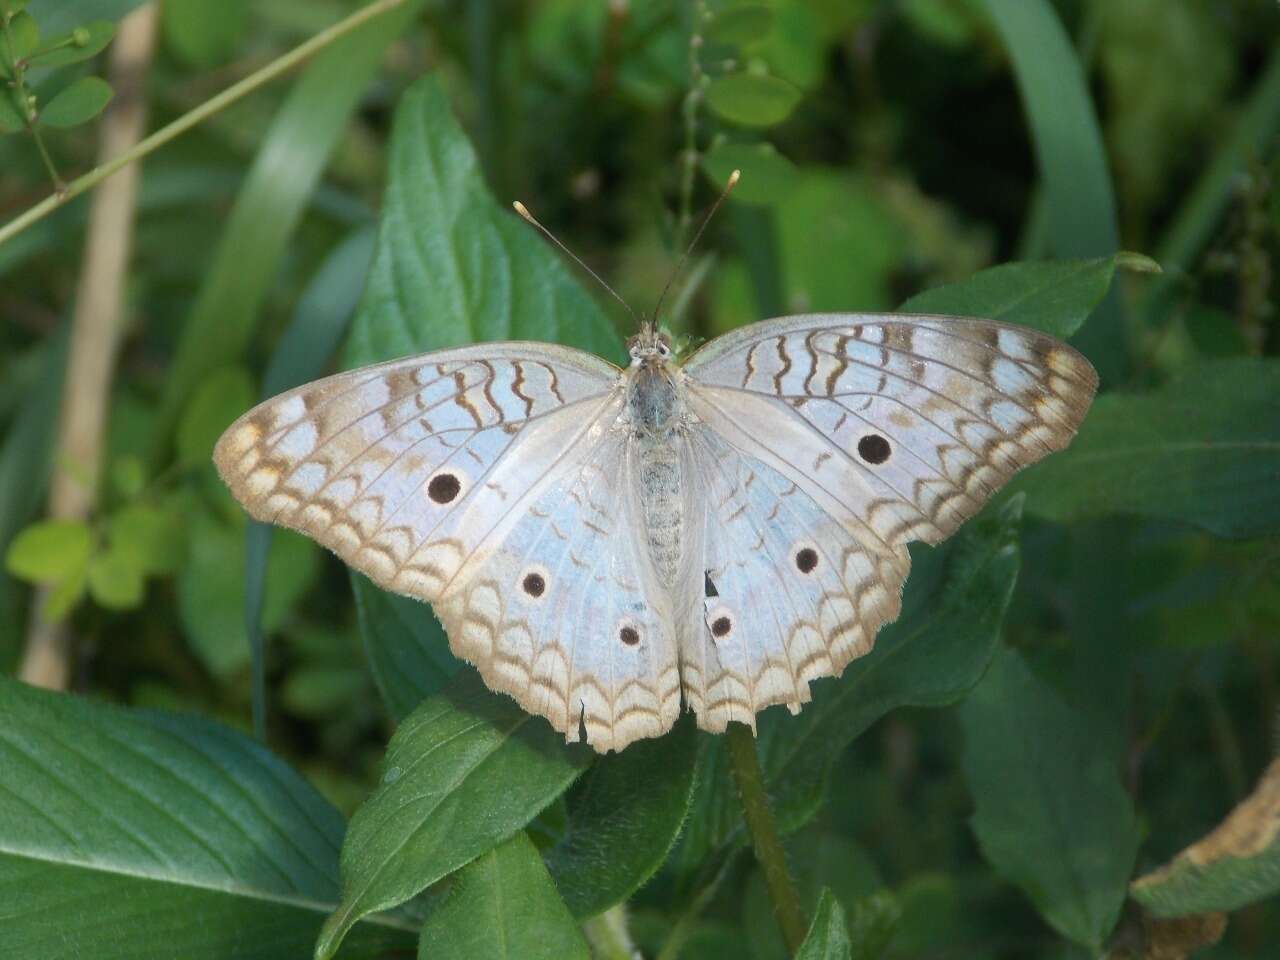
764 835
608 936
188 120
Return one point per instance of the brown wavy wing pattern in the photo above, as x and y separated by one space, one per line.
565 615
400 468
795 593
908 423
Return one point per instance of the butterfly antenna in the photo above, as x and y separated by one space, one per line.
733 179
524 212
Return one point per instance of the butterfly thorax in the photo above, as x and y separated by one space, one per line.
655 410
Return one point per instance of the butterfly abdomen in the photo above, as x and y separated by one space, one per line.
653 404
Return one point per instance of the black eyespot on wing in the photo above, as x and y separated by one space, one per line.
534 584
709 588
444 487
721 626
873 448
629 635
806 559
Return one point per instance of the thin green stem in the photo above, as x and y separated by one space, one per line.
764 835
684 924
188 120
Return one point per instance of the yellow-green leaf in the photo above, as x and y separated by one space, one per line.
115 582
767 176
740 25
151 538
49 551
752 100
219 399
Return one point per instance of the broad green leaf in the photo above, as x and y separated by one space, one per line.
214 406
502 906
463 772
406 646
624 815
320 691
115 581
65 594
1055 296
828 938
740 24
1237 864
1201 450
275 193
49 550
752 99
201 33
767 176
451 265
1050 813
79 103
127 834
211 589
953 607
86 41
151 537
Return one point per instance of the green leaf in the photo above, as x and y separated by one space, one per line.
1200 450
466 770
204 34
1237 864
129 834
49 550
1055 296
62 16
451 265
321 691
151 538
216 403
25 33
872 924
277 189
767 176
66 594
752 99
1050 813
211 589
502 906
406 646
624 816
87 41
115 581
953 607
79 103
740 25
828 938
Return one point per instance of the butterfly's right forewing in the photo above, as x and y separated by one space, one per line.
395 467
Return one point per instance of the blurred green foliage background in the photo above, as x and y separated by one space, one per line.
887 147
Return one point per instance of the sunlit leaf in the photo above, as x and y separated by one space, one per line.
49 550
827 939
115 581
751 99
767 176
740 24
150 536
129 834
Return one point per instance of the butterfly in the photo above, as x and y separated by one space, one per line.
608 545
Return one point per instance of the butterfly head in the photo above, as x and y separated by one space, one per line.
650 347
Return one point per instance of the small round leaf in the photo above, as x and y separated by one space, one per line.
767 176
77 104
151 538
50 550
24 34
10 116
115 582
752 100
